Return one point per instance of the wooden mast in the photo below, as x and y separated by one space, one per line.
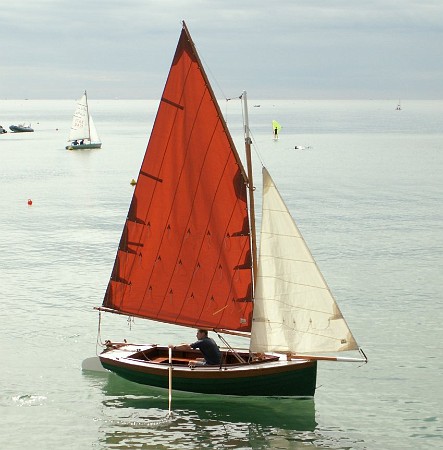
248 142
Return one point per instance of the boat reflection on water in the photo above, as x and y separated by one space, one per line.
291 413
136 415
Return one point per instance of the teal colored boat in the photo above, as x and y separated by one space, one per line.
188 256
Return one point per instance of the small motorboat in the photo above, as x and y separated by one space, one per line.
21 128
2 130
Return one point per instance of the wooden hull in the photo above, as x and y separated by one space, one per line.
272 377
83 146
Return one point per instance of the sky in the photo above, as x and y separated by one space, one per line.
286 49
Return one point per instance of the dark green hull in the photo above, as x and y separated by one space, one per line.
297 379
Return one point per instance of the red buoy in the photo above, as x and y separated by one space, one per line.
29 202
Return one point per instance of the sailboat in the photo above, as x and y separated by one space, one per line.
83 133
187 256
398 106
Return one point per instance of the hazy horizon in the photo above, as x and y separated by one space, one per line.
319 49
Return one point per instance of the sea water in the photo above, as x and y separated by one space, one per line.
366 192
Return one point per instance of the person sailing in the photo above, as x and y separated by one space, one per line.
208 347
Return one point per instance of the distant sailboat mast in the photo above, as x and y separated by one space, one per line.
87 116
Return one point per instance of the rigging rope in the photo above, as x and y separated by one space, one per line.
208 70
99 338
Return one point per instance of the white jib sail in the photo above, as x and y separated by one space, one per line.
80 121
93 131
294 310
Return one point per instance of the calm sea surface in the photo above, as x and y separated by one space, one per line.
367 195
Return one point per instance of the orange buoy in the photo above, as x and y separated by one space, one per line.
29 202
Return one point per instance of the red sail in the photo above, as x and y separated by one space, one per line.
184 255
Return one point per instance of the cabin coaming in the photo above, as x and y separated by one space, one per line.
160 355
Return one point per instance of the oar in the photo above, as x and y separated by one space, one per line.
170 379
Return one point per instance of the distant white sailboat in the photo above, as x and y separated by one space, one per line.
398 106
83 133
